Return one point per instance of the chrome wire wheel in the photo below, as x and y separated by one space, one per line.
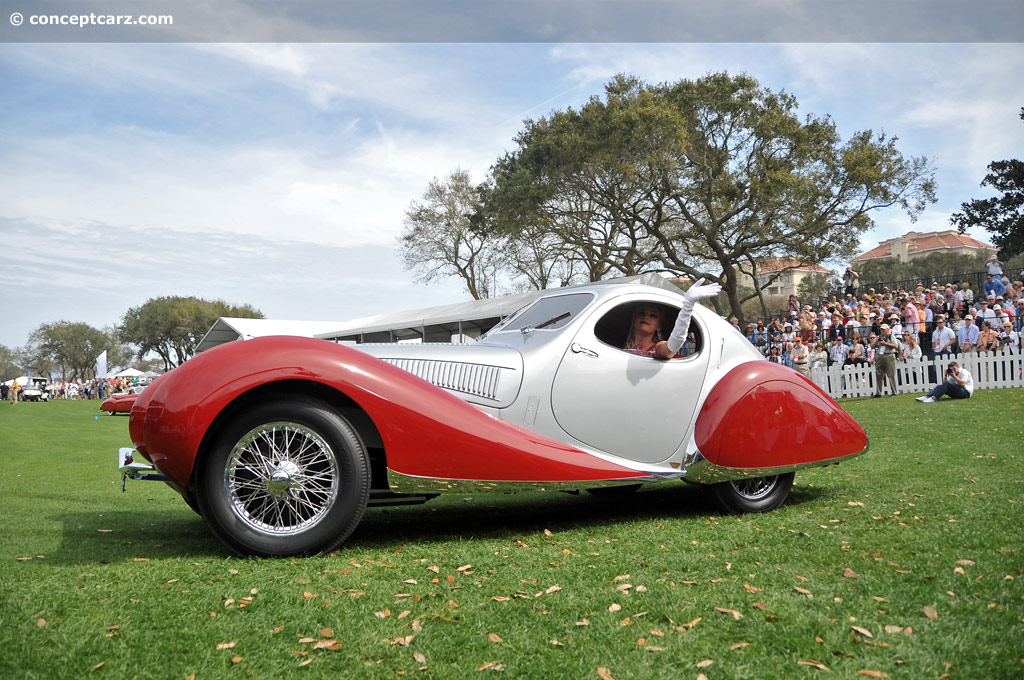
754 494
755 488
282 478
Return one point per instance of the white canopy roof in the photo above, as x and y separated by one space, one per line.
127 373
432 324
229 329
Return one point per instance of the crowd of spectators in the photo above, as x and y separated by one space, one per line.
98 388
944 319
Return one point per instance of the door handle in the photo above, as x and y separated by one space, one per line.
577 348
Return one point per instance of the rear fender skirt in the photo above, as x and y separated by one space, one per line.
763 415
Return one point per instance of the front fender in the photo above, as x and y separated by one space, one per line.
426 431
763 415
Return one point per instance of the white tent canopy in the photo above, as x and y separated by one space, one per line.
228 329
433 324
127 373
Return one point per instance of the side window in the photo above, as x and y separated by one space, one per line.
613 328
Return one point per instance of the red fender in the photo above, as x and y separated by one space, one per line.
762 414
426 431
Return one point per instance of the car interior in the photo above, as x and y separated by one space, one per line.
613 327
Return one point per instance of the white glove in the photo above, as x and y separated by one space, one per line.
698 291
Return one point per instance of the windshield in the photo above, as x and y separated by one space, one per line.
547 314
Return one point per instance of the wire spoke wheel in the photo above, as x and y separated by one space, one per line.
282 478
287 476
755 488
753 494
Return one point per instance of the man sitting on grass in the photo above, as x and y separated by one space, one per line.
958 385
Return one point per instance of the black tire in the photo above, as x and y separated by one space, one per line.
756 494
285 477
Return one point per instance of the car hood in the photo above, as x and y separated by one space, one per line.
483 375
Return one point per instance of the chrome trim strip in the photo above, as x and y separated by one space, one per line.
700 470
410 484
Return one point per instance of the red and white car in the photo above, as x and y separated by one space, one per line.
281 443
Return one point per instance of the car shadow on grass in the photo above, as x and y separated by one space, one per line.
483 516
126 536
89 538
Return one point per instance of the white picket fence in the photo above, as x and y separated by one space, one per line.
990 371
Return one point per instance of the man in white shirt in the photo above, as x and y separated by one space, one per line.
994 267
968 335
985 310
943 336
958 385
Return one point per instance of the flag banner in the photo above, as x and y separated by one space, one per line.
101 365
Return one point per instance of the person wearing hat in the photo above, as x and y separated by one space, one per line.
942 337
894 325
967 337
985 309
886 348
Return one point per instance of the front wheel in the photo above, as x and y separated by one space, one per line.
756 494
286 477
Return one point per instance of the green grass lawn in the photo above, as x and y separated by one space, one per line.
906 562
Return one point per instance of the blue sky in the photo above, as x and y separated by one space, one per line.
277 174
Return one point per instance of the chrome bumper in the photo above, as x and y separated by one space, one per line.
129 469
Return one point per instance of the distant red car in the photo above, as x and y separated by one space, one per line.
121 403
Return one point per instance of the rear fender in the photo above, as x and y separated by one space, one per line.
763 415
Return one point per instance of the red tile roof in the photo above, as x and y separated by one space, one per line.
922 243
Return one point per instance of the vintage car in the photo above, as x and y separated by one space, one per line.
281 443
121 403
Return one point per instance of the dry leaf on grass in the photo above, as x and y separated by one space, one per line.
604 673
226 645
811 662
850 573
705 663
494 637
491 666
873 674
931 613
735 614
803 591
863 631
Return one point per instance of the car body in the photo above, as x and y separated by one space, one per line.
282 442
121 404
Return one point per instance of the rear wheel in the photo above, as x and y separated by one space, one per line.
755 494
286 477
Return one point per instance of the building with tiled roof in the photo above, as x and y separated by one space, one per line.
918 244
786 284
